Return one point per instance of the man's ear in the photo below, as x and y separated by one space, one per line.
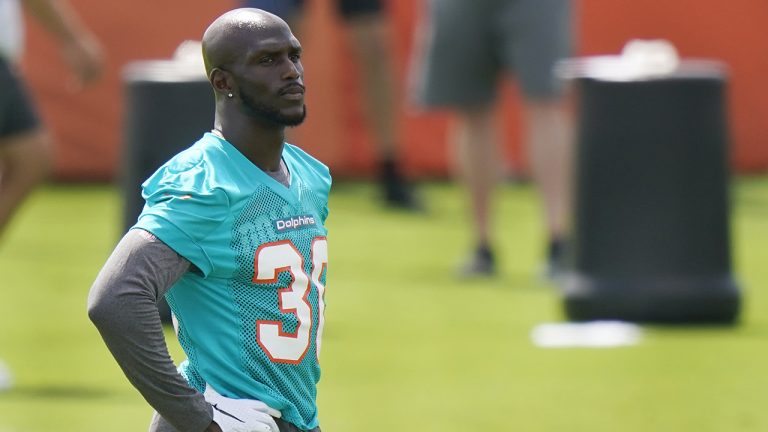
222 82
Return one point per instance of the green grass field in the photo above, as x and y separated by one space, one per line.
407 346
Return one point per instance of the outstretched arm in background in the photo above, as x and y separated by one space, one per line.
26 152
79 47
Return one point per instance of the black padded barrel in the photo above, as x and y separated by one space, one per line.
168 106
651 239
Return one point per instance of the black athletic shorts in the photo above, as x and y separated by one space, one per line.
289 427
351 8
17 115
286 8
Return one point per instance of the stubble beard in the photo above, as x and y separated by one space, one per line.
270 114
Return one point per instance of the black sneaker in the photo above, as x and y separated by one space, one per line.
400 196
555 259
480 264
396 192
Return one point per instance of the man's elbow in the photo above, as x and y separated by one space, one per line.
100 309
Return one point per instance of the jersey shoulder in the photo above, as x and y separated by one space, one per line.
311 171
191 170
184 203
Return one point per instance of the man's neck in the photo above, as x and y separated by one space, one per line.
262 146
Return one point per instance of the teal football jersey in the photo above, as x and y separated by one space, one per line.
250 316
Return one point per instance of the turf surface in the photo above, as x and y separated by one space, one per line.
407 346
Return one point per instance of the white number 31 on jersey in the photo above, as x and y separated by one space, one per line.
270 260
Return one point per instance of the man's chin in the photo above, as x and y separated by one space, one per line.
286 117
292 120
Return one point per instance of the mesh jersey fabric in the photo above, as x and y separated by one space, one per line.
250 318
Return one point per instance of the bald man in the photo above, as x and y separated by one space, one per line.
233 235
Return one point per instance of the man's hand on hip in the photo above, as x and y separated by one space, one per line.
241 415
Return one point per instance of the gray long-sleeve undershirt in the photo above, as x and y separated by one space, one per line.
122 303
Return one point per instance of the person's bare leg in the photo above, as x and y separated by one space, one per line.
477 155
295 21
370 35
25 162
550 147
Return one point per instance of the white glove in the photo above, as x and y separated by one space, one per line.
241 415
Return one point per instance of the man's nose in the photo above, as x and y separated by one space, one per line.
293 70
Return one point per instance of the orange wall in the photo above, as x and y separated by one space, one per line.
87 125
732 31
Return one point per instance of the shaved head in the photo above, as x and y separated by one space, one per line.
253 62
230 35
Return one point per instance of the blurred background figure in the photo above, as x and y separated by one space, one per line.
25 145
368 30
465 47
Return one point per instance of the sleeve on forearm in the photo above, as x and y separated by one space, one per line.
122 304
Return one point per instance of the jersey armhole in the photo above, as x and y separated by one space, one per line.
173 237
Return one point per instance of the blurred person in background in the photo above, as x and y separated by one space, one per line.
465 47
233 235
367 29
25 145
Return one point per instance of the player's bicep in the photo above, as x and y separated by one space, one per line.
141 266
164 266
